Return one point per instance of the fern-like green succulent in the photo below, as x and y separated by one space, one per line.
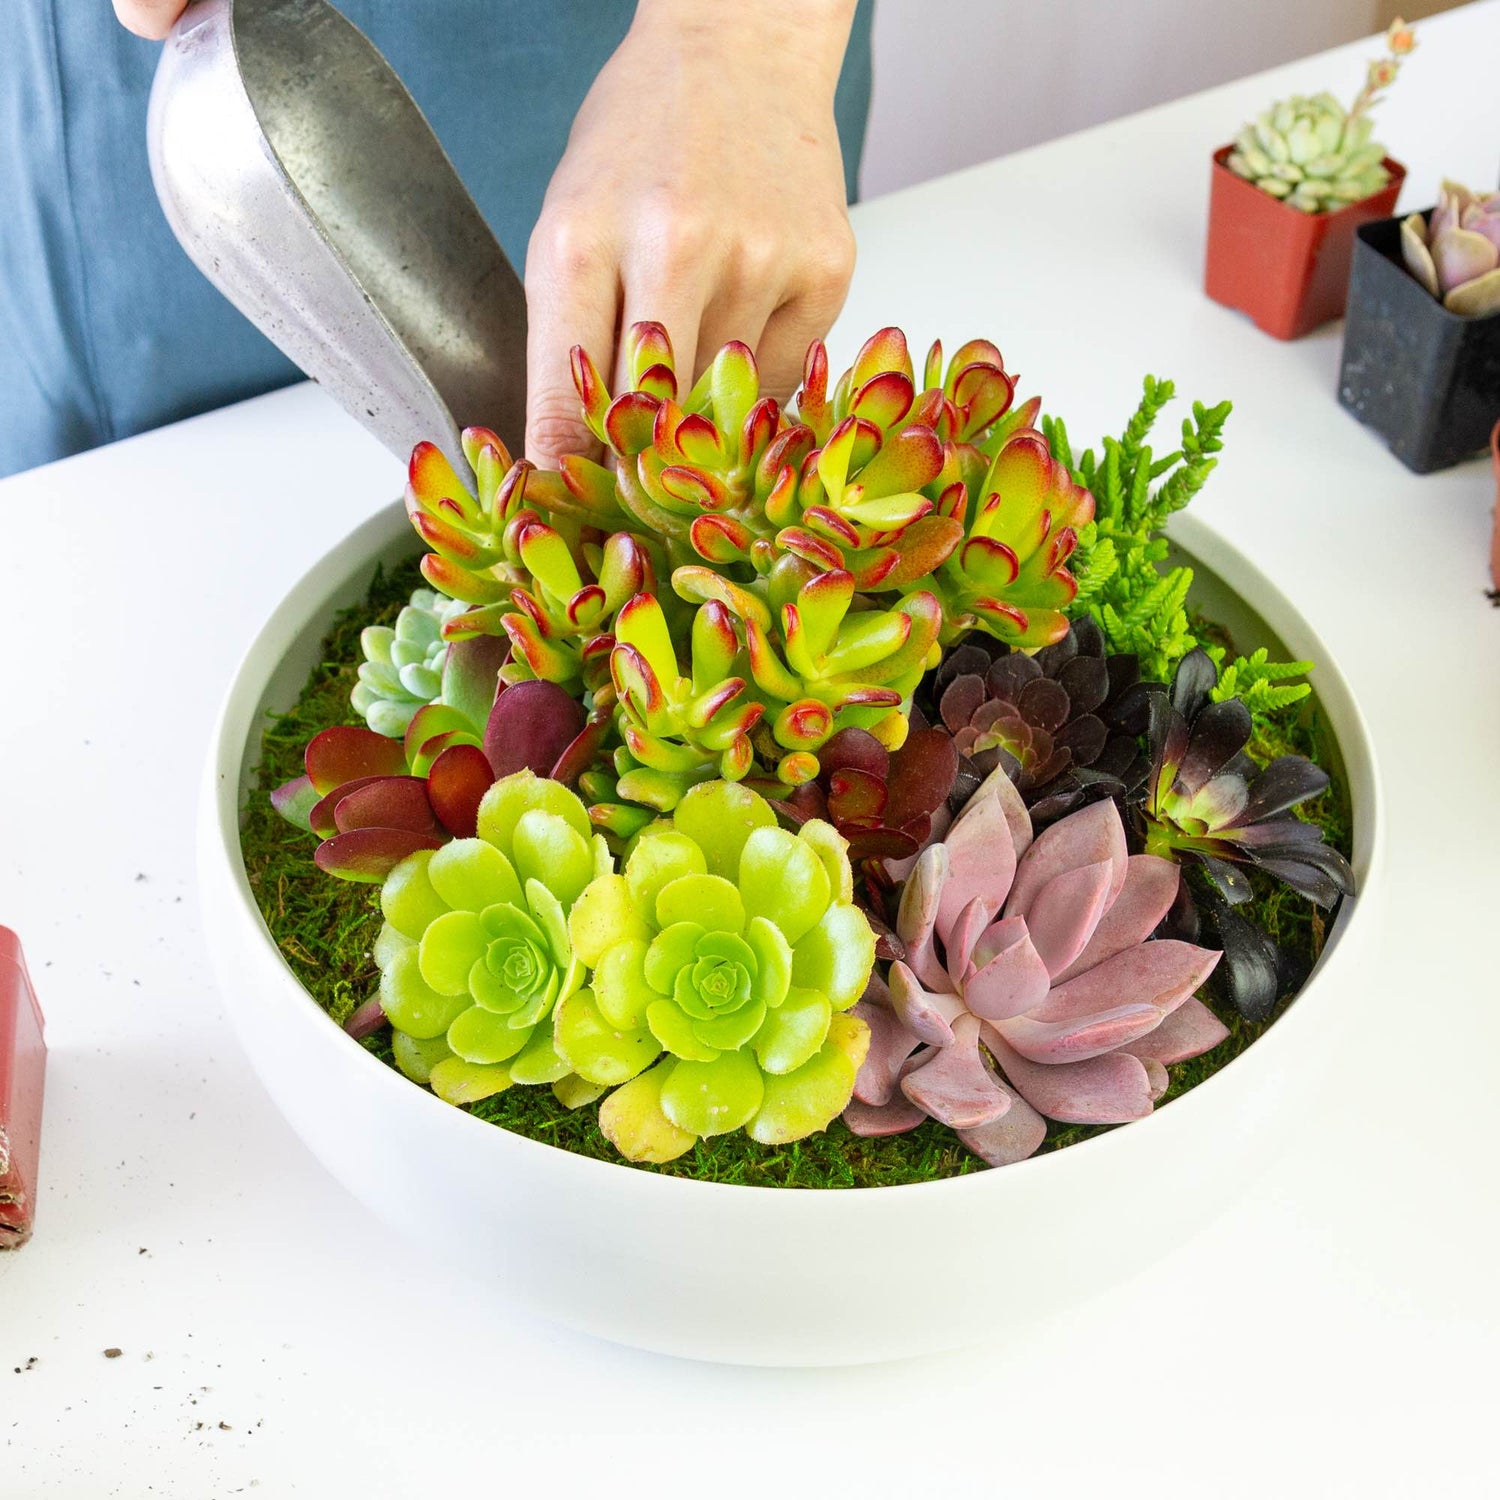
1263 686
1141 606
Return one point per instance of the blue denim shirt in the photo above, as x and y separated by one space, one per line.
106 328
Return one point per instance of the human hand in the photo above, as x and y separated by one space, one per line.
702 188
149 18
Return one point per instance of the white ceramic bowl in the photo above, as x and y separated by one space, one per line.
764 1275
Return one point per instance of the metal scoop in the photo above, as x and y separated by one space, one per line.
303 180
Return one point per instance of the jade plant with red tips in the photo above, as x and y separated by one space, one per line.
895 618
746 581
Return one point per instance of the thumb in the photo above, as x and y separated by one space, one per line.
572 297
149 18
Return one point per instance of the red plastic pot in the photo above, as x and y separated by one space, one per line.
1288 270
23 1059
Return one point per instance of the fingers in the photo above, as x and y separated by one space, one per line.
751 286
677 313
743 318
572 297
149 18
807 315
671 261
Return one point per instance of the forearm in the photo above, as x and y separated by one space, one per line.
807 37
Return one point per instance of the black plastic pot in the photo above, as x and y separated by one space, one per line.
1426 379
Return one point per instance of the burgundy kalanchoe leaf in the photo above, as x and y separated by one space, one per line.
921 776
366 1019
882 802
456 785
322 819
370 854
348 752
855 795
856 749
530 726
386 802
295 800
583 750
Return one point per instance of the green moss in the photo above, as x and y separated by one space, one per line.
325 928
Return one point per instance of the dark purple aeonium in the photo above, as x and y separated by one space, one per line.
1207 804
1060 723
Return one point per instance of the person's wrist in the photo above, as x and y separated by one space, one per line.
807 38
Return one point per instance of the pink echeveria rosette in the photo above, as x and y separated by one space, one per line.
1038 951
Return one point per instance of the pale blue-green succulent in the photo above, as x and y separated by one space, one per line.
402 669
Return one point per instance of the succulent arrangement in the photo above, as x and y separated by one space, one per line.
1456 253
856 769
1313 153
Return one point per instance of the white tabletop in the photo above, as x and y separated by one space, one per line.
1333 1334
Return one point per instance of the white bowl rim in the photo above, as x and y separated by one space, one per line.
222 806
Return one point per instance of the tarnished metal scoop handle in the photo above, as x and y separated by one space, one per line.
303 180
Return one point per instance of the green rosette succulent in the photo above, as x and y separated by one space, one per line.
1311 153
724 958
402 670
1314 154
475 952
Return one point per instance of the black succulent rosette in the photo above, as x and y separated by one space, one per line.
1207 804
1065 724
